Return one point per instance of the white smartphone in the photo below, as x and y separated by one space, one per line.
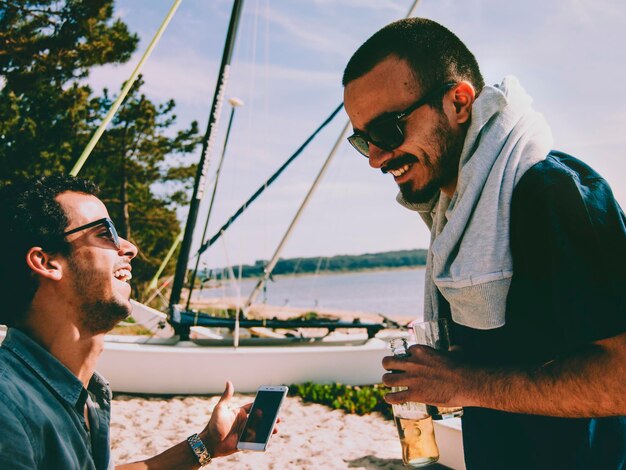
262 418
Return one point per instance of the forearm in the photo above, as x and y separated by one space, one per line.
180 457
585 384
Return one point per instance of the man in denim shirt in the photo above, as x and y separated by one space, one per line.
64 277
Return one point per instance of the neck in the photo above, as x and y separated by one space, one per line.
449 189
59 333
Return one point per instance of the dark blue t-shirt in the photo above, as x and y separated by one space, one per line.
568 240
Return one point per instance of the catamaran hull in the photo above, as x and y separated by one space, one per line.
187 368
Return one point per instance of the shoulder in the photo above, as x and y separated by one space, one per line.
11 371
564 187
21 391
18 443
557 170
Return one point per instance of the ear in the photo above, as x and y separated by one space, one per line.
463 98
43 264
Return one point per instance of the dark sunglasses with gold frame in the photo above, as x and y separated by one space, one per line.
386 132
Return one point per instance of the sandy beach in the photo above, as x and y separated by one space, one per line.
311 436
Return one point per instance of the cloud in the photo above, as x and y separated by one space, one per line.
190 77
317 38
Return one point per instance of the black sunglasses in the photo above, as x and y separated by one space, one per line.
386 132
107 223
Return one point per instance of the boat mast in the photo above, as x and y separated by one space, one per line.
203 164
272 263
266 184
234 103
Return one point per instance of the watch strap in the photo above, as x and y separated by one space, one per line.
199 449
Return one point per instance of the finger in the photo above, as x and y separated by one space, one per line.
247 407
394 379
393 363
417 351
275 431
397 397
229 390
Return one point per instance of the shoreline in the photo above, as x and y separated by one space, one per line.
331 272
283 313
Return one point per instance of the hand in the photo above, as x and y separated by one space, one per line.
222 433
432 377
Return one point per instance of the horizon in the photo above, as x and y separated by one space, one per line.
339 255
287 66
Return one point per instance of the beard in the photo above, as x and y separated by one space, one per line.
444 170
98 315
102 316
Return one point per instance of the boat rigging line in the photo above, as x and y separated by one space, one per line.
272 263
207 146
129 83
244 206
181 320
266 184
234 103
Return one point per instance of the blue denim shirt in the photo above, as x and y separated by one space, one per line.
42 411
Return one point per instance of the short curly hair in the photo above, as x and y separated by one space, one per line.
30 216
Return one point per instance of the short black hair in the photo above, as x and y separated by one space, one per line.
435 54
30 216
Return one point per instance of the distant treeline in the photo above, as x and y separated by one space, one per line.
340 263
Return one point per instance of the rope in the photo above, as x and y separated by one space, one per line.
265 185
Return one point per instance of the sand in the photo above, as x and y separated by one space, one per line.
311 436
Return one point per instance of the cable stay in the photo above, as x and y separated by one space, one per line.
267 183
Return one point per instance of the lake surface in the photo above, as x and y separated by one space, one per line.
398 292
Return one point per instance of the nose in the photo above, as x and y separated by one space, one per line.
127 248
378 157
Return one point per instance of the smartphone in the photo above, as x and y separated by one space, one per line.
262 418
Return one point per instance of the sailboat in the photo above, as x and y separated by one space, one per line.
186 357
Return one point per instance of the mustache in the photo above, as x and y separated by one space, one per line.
399 162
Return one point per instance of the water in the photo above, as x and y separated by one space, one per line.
397 292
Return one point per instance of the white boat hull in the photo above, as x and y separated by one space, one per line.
187 368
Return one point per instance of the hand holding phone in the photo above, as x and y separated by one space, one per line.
262 418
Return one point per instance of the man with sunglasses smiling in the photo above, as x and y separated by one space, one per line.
64 285
527 258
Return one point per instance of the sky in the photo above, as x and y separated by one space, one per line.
287 65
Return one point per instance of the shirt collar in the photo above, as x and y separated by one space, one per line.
46 366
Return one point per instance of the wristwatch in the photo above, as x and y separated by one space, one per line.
199 449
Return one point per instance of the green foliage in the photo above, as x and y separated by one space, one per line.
46 49
134 154
48 114
308 316
219 312
351 399
341 263
131 330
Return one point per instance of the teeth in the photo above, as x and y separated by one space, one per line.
123 275
400 171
